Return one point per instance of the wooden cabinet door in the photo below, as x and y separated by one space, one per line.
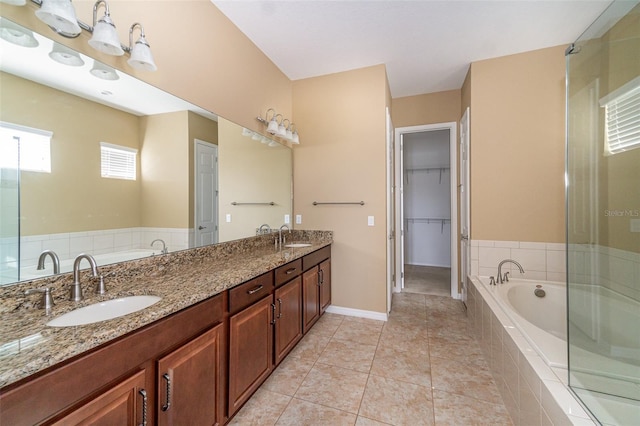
325 285
310 295
250 350
189 382
288 329
123 404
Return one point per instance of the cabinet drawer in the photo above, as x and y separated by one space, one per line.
288 272
312 259
249 292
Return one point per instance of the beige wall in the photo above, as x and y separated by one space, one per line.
201 56
164 158
342 158
431 108
66 200
251 172
517 147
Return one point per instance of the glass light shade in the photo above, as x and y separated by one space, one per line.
289 135
282 131
59 15
105 39
256 137
273 126
295 138
65 56
141 57
273 144
17 35
103 72
265 140
246 132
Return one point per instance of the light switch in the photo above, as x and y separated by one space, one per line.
370 221
228 217
298 219
287 219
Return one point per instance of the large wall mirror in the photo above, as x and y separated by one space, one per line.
96 161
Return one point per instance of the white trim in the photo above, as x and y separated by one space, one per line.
452 126
380 316
21 128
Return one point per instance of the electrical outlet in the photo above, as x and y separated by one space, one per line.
287 219
228 217
298 219
370 221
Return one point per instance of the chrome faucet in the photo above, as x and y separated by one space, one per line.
165 250
54 258
76 288
285 226
504 278
263 227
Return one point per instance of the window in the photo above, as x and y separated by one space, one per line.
118 162
25 148
622 118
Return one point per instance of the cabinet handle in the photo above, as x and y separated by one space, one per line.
321 276
273 311
255 289
166 406
279 307
290 271
144 406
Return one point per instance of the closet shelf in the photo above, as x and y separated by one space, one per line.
428 170
428 220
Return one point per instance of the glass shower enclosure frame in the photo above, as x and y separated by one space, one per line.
603 215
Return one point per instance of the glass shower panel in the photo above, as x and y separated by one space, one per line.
9 210
603 215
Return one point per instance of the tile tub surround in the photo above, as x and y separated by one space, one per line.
534 393
182 279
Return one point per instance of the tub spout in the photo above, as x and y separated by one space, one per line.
503 278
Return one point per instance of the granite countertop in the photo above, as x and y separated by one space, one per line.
182 279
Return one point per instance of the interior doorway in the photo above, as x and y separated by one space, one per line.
206 193
426 209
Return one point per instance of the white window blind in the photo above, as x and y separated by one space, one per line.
118 162
622 118
26 148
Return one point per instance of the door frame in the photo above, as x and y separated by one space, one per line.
391 256
452 126
197 142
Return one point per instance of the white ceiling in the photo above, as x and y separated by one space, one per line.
426 45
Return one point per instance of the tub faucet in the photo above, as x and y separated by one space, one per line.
264 229
165 250
54 258
76 288
504 278
285 226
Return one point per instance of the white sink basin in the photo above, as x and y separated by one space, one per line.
103 311
294 245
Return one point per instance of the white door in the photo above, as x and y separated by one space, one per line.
206 193
465 251
400 217
391 252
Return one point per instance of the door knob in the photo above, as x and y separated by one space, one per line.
202 227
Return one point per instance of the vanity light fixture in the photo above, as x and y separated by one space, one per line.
295 139
246 132
65 56
16 34
141 57
256 137
278 128
104 38
60 16
103 72
282 129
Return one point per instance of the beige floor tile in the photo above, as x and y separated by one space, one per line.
327 324
405 339
264 408
453 409
286 379
333 387
459 346
310 347
472 379
304 413
361 332
398 403
363 421
412 367
351 355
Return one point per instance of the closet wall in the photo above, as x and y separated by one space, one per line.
427 199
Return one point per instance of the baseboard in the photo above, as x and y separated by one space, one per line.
380 316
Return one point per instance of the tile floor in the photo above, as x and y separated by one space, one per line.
421 367
427 280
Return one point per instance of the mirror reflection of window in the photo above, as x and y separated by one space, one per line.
117 162
25 148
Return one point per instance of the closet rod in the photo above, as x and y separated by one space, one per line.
316 203
270 203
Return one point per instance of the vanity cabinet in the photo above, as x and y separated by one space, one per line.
310 297
288 323
316 285
189 382
324 271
